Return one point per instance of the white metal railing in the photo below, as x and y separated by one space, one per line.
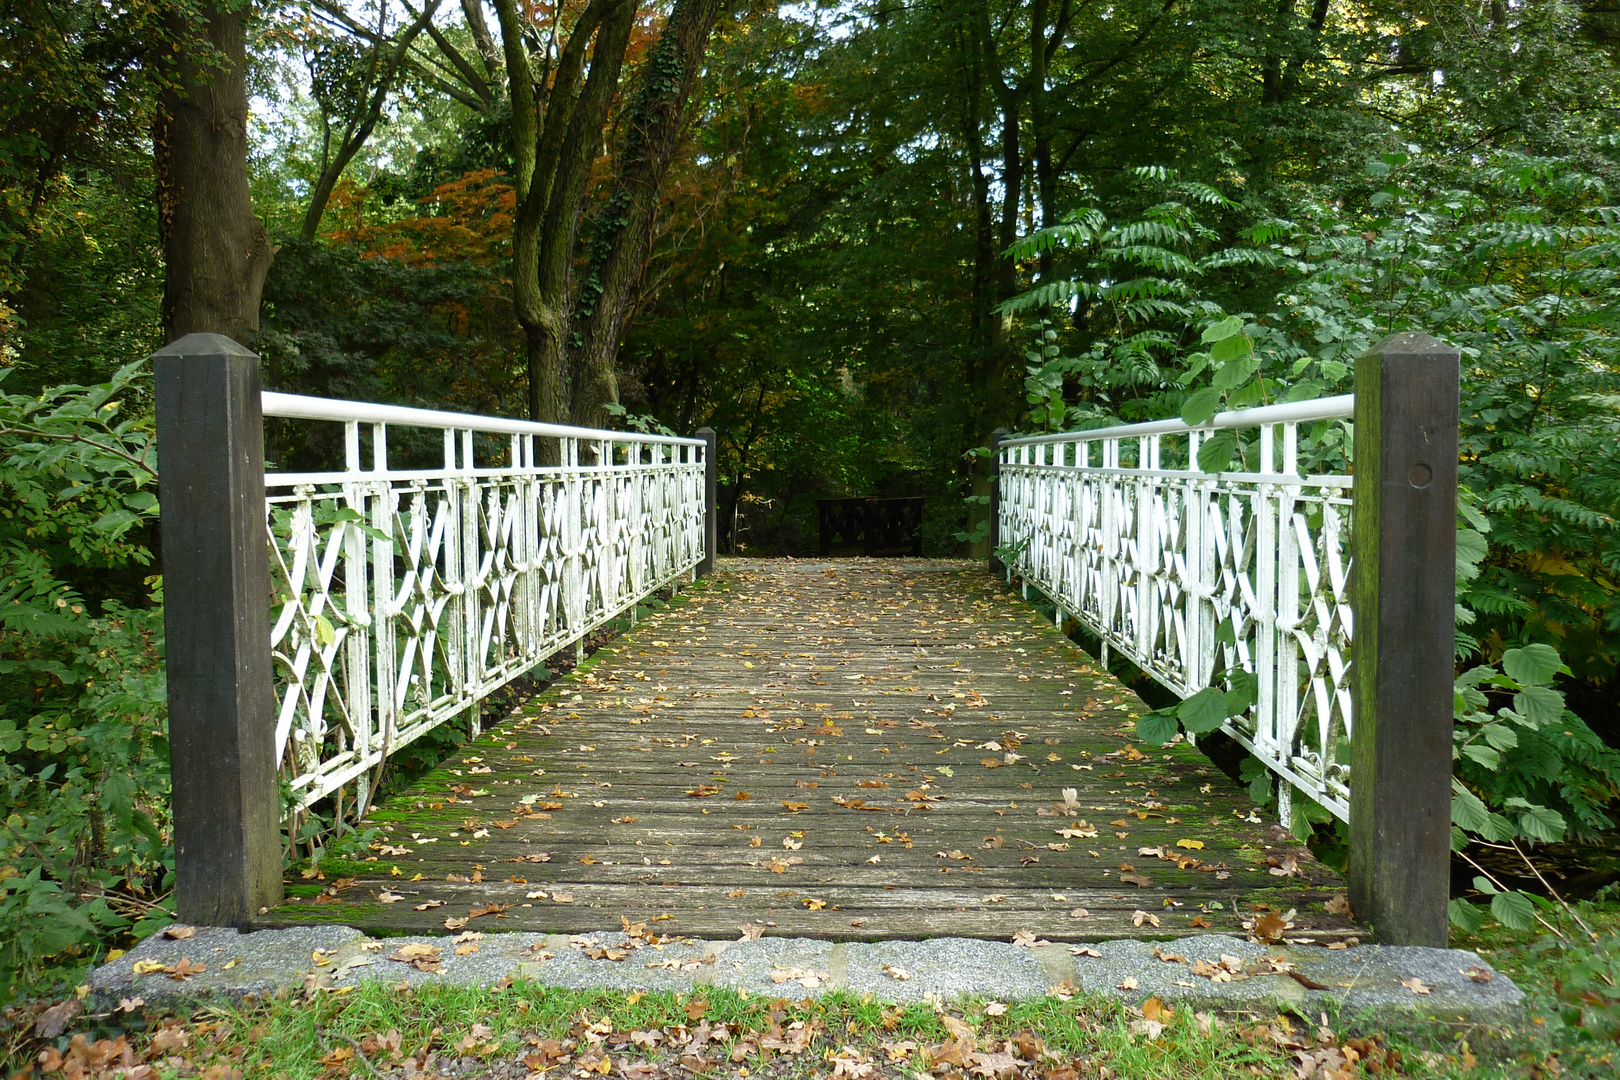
406 594
1196 575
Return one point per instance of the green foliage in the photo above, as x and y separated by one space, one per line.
83 729
1203 712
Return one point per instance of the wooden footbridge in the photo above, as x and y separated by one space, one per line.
842 749
849 749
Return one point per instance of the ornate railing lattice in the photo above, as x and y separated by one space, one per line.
404 596
1195 576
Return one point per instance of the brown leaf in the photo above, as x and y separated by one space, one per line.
1415 985
180 933
184 969
54 1020
1141 881
1269 927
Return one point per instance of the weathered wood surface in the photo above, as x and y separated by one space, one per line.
808 746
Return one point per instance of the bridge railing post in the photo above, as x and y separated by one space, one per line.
1403 596
995 498
216 582
711 517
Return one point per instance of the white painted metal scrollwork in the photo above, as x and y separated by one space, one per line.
1194 576
404 596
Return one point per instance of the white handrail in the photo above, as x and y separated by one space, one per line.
302 407
404 597
1341 407
1195 575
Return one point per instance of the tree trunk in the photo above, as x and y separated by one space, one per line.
551 163
624 227
216 252
387 58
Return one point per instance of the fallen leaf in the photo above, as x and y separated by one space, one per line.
54 1020
184 969
1415 985
180 933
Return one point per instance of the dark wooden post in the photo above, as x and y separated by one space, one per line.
995 498
711 517
1403 595
216 615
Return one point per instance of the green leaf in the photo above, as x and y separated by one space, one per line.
1484 755
1201 407
1244 693
1467 812
1538 822
1233 375
1483 884
1216 452
1231 348
1539 705
1204 711
1232 324
1500 736
1157 727
1533 665
324 633
115 519
1471 551
1512 909
1465 916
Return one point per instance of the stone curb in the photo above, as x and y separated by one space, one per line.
1361 982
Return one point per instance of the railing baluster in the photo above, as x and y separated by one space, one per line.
496 571
1236 545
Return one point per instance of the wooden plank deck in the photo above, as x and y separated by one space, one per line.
845 749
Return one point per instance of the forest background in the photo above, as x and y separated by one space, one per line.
878 230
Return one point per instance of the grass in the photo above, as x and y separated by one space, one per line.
522 1030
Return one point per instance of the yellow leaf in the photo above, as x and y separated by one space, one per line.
1191 845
